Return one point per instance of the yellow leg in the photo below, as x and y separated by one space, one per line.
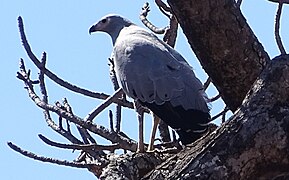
156 121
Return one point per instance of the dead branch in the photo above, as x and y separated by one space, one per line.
171 32
84 147
61 131
41 79
83 132
110 116
116 86
223 114
100 130
24 75
277 28
56 79
162 6
104 105
207 83
50 160
214 98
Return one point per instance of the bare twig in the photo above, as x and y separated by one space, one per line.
46 159
88 136
145 21
112 74
100 130
118 117
83 132
113 79
214 98
49 121
85 147
110 115
207 83
277 28
223 113
163 6
59 81
171 32
41 79
61 131
106 103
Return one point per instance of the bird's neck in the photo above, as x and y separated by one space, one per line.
114 34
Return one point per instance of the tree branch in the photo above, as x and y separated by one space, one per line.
46 159
277 28
116 86
56 79
100 130
219 34
105 104
84 147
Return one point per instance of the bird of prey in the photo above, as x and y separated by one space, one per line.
157 76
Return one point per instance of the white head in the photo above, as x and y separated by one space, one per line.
111 24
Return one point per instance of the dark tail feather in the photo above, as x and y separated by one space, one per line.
189 124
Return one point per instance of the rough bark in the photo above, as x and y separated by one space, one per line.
131 166
224 44
253 144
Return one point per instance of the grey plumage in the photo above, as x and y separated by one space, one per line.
158 76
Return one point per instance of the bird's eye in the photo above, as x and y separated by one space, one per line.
103 21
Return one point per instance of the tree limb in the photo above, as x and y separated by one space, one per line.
224 44
56 79
277 28
46 159
85 147
100 130
105 104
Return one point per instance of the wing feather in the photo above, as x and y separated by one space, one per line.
151 71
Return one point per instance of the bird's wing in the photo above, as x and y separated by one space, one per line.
152 72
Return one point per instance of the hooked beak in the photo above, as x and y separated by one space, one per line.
92 29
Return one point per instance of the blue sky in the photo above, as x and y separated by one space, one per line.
61 29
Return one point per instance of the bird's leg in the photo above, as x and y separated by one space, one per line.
140 113
156 121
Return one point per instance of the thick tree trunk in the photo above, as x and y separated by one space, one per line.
253 144
224 43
